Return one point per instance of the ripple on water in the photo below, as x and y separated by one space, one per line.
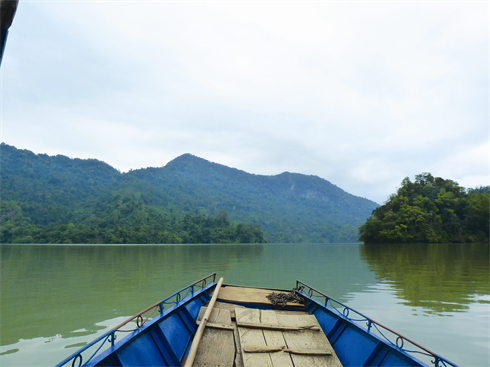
45 351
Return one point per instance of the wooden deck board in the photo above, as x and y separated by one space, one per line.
273 338
238 346
267 346
248 295
252 337
308 340
217 346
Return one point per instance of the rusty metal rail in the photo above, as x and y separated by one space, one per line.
201 283
108 338
334 305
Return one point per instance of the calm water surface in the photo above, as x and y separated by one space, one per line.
55 298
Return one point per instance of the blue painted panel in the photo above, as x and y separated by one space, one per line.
377 355
195 305
177 334
164 347
353 346
326 319
189 322
108 364
141 351
110 361
399 360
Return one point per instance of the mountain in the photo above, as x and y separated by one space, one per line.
54 189
289 207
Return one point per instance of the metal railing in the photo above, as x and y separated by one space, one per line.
108 339
371 326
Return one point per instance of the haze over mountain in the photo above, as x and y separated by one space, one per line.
289 207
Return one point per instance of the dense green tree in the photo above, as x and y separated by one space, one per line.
479 190
14 226
289 207
125 219
429 210
476 214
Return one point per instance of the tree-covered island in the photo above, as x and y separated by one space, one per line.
430 210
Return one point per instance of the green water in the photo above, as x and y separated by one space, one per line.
55 298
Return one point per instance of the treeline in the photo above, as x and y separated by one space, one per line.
430 210
289 207
126 220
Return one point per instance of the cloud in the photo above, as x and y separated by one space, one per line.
361 94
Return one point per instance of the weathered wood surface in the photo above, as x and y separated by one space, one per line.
217 326
308 340
238 345
244 337
314 352
252 337
217 347
286 347
275 338
249 295
278 327
283 348
229 306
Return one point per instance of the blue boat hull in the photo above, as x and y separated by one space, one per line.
165 340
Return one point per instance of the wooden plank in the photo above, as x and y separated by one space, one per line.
275 338
238 346
265 349
217 326
238 349
252 337
286 339
307 340
314 352
228 306
249 295
217 347
278 327
282 348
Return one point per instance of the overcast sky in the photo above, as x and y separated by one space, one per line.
362 94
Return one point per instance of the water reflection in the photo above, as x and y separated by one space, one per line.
55 298
44 287
441 278
48 351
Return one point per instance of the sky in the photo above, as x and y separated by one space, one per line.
360 93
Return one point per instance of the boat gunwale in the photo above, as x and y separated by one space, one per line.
345 315
311 307
106 337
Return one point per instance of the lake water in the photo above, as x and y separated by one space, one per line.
55 298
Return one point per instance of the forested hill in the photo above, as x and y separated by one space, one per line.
289 207
430 210
56 190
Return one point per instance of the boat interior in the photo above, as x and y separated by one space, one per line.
241 336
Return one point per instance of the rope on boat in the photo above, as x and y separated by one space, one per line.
279 300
